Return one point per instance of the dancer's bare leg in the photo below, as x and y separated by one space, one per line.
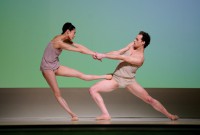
69 72
140 92
102 86
51 80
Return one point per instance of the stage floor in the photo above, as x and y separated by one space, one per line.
89 126
92 121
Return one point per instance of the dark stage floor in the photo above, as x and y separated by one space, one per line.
88 125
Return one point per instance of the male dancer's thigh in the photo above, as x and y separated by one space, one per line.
105 86
68 72
137 90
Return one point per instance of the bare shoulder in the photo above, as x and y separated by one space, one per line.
56 38
57 42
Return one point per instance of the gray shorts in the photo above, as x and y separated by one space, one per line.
123 81
49 66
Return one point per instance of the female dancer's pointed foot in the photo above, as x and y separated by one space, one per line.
74 118
174 117
108 77
103 117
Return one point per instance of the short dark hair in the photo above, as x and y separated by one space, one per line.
67 26
145 37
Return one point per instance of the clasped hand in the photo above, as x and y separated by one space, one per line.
98 56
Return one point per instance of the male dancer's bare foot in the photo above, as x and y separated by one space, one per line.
74 118
103 117
174 117
108 77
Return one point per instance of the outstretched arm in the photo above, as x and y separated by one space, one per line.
118 55
75 47
84 49
121 51
129 59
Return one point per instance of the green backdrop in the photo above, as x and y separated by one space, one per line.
171 60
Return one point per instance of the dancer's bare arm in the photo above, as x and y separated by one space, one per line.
84 49
117 55
136 60
74 47
121 51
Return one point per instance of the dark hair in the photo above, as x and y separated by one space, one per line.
145 37
67 26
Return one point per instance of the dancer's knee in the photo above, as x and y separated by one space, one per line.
92 91
57 94
149 100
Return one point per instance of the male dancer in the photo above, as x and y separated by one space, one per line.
132 57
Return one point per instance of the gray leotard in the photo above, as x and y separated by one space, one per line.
50 60
125 72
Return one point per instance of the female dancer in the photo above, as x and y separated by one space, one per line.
51 68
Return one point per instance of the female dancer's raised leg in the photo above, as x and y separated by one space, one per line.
69 72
